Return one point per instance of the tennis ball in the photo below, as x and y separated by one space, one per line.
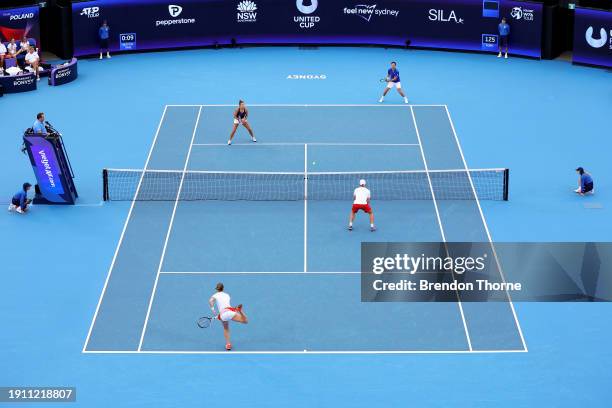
314 162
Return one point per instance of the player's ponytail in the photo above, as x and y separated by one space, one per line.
240 102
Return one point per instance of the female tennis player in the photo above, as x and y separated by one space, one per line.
585 182
240 118
393 79
225 312
361 201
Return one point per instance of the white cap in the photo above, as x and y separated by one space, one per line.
362 182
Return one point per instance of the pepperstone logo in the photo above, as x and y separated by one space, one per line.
246 12
175 10
597 43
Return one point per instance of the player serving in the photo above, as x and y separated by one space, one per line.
361 201
240 118
393 79
225 312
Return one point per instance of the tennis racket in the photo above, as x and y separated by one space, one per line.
386 79
205 321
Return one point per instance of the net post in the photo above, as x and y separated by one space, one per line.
104 184
506 183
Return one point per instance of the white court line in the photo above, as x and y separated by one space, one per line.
256 273
112 265
336 352
518 326
302 144
163 254
305 208
433 196
309 105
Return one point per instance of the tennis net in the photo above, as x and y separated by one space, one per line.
164 185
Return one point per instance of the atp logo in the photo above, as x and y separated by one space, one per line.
90 12
175 10
593 42
307 9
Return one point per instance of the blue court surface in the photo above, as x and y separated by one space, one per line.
104 296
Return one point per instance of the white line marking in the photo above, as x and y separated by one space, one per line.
163 254
433 196
112 265
301 144
256 273
337 352
403 105
518 326
305 208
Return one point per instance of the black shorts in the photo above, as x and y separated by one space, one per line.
104 43
587 187
503 41
15 202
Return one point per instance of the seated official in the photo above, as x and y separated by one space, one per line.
39 125
32 60
3 52
20 200
585 182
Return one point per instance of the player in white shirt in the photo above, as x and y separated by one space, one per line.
361 201
12 48
225 312
33 60
3 52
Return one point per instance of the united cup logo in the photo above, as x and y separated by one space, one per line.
594 42
307 6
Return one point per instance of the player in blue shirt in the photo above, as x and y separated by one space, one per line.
504 32
39 126
585 182
103 34
20 200
393 79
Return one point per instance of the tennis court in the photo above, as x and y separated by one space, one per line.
291 262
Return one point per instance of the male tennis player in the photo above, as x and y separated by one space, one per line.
240 118
361 201
585 182
226 312
393 79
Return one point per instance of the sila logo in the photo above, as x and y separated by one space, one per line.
444 17
246 11
175 10
593 42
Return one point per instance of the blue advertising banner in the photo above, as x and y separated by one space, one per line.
593 37
18 83
450 24
46 168
63 74
17 22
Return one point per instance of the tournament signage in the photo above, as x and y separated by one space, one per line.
46 168
18 83
451 24
17 22
593 37
63 74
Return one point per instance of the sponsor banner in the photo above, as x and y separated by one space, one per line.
481 272
63 74
452 24
46 168
17 22
593 37
18 83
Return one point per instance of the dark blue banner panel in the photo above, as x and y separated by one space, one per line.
453 24
17 22
593 37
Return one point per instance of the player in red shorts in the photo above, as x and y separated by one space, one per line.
361 201
226 313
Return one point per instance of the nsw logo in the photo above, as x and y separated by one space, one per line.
174 10
90 12
307 6
246 11
594 42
